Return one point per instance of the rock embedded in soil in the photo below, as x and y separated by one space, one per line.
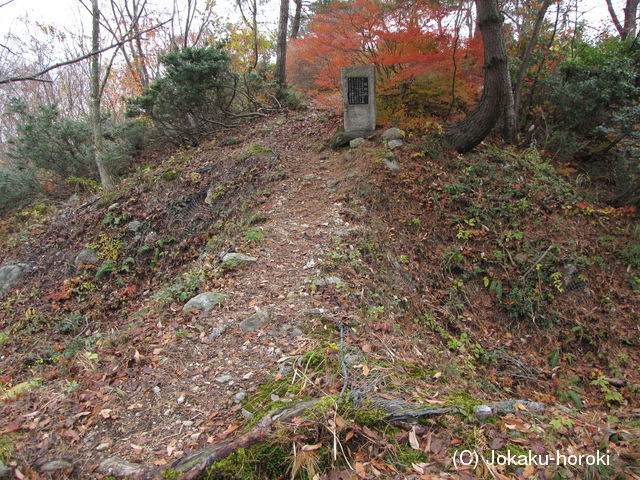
85 259
223 379
482 411
205 302
5 472
394 144
393 134
12 275
255 322
391 164
356 142
238 258
324 281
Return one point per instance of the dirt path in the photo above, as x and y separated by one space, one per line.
190 394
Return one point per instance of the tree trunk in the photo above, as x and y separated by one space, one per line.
281 46
295 23
96 99
474 128
533 41
628 29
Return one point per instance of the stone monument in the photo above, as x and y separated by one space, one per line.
359 98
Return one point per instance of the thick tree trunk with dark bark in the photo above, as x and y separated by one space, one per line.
475 127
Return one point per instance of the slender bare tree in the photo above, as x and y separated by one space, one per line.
628 28
281 45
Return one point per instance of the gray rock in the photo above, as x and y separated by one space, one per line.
482 411
240 396
296 332
216 332
86 259
394 144
255 322
223 379
357 142
5 472
54 465
134 226
332 183
205 301
309 176
324 281
391 164
393 134
280 331
246 413
237 258
102 447
11 275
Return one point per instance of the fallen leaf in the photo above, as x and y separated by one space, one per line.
413 440
360 470
12 427
232 428
311 448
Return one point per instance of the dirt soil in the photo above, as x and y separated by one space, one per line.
149 382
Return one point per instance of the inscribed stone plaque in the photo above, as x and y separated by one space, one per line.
359 99
358 90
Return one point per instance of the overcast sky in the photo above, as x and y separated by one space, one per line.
71 14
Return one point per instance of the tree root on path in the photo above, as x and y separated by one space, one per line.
194 465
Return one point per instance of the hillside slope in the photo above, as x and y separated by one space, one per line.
452 281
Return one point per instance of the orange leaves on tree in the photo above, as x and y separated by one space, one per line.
409 44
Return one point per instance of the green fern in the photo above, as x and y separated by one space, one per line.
107 267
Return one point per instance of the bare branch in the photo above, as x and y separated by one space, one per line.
75 60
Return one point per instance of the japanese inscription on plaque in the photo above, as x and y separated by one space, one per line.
358 90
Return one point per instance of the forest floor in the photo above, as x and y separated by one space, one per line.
451 282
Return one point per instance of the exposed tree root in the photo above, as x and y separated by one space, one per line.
193 466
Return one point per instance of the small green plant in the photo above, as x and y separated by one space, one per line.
107 267
561 421
463 234
254 234
494 286
611 396
558 282
171 174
